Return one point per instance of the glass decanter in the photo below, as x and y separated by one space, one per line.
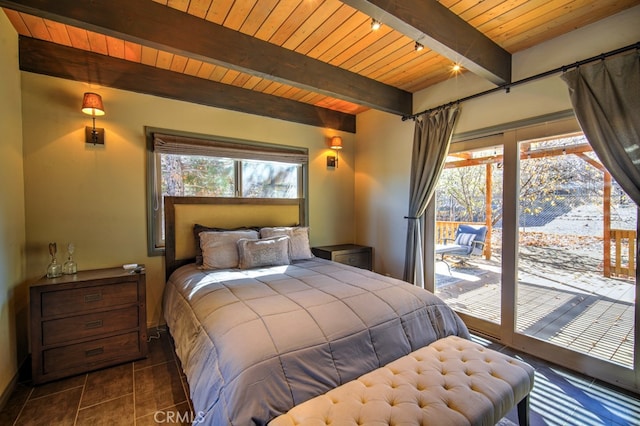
54 269
70 266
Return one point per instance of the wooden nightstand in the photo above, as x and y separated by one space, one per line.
89 320
349 254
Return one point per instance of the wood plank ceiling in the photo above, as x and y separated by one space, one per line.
229 45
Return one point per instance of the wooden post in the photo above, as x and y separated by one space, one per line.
487 197
606 195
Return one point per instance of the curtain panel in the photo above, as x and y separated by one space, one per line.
431 140
606 99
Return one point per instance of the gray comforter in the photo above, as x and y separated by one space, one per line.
254 343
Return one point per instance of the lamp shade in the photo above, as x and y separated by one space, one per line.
336 142
92 104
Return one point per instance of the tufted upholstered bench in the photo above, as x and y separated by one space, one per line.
452 381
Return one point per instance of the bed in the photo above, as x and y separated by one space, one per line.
255 342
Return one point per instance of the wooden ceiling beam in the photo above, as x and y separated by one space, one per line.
437 28
154 25
55 60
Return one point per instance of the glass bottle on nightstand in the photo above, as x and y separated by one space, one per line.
70 266
54 269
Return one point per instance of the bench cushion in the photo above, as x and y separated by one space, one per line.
452 381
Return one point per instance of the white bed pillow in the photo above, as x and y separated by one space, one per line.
299 240
273 251
220 249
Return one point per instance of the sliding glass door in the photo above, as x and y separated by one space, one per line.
576 272
556 276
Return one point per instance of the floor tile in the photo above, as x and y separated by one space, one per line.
14 405
179 414
599 404
107 384
58 386
115 412
158 387
56 409
160 351
187 390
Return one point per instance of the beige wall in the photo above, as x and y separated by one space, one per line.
383 143
383 160
13 290
95 196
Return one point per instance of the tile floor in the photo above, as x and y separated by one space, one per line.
153 391
563 397
146 392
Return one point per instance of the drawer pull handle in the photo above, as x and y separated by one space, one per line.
94 352
93 324
93 297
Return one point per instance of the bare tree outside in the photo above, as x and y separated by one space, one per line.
269 179
190 175
545 185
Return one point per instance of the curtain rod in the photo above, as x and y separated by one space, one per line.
507 86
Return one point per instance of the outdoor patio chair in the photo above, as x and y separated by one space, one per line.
469 241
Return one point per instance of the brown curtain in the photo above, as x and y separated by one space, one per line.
431 140
606 99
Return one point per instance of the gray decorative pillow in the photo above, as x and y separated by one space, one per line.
299 240
464 239
272 251
197 229
220 249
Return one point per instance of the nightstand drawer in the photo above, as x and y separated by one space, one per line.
83 326
88 298
92 353
360 260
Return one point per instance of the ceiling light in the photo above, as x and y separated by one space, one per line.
418 47
375 25
456 68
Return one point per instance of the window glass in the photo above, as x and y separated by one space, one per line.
200 176
264 179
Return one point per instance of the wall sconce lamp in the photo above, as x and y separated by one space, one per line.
92 105
336 143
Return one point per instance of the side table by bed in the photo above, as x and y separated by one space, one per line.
349 254
86 321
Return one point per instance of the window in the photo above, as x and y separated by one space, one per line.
201 166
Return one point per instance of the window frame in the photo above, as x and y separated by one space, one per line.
251 149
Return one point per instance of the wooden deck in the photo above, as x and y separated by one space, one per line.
559 301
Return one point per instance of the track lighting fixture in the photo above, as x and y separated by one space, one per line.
418 47
375 25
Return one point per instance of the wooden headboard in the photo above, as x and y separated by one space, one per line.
181 213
